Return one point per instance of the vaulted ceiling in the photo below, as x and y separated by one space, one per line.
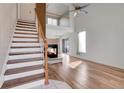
57 10
60 9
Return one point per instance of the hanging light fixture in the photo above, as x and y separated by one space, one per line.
76 12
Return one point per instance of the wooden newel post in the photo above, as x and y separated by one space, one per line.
46 62
41 17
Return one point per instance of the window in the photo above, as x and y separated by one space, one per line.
65 43
82 42
52 21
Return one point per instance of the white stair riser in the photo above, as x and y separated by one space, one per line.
25 25
25 39
25 50
18 65
30 85
26 31
26 35
25 44
24 74
25 28
25 22
24 56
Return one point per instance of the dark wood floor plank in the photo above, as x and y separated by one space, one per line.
23 69
24 60
24 41
25 47
23 53
25 33
29 30
26 27
25 22
23 80
23 37
82 74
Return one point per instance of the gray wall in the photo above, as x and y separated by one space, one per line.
7 23
104 24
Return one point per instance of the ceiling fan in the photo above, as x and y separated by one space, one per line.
78 9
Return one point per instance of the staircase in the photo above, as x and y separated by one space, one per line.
25 63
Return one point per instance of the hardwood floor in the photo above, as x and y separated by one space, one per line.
85 74
16 82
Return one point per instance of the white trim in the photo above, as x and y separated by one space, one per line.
27 35
25 44
25 31
25 39
19 11
25 50
25 25
25 64
23 28
2 78
14 57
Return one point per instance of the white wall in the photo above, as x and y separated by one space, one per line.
27 11
104 24
65 22
7 23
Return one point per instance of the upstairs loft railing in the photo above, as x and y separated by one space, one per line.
40 11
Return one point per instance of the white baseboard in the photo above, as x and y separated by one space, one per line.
1 80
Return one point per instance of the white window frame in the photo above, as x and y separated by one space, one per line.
52 21
82 42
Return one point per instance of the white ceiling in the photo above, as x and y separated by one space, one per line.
56 8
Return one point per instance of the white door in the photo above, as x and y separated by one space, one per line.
27 12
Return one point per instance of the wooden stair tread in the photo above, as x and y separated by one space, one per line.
23 69
23 37
24 60
26 27
21 81
24 53
25 22
25 33
25 47
25 42
31 30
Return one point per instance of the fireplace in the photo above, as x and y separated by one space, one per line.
52 50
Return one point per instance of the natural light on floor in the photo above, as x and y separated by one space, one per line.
82 42
75 64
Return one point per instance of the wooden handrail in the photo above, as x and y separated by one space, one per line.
40 11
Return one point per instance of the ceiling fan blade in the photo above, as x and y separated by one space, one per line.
84 6
84 11
80 7
75 11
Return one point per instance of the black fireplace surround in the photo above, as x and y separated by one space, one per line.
52 51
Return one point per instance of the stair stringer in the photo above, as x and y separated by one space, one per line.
4 68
